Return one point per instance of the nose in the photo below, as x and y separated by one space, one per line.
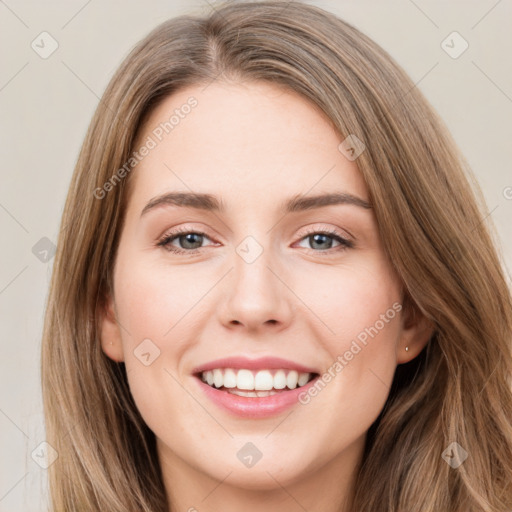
256 296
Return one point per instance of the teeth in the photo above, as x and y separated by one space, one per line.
245 380
243 393
292 379
280 379
252 393
218 379
263 381
249 383
229 378
303 379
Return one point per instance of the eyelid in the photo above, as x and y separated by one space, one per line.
183 229
308 230
343 233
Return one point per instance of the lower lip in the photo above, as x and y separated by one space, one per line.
255 407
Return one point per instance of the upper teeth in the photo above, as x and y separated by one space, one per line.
262 380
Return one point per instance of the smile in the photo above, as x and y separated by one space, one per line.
251 383
254 388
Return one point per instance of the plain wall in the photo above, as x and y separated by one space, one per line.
47 104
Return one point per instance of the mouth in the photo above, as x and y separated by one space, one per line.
245 382
254 388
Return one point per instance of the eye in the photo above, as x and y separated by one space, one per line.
322 241
190 241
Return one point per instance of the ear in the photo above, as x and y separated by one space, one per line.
416 332
110 332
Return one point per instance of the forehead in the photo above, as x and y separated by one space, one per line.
247 141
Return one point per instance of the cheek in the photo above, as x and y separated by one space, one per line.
153 301
351 299
360 313
151 306
360 324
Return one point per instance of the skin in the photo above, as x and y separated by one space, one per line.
254 145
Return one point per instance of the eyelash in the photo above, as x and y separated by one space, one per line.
169 237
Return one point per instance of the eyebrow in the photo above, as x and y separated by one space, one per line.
210 202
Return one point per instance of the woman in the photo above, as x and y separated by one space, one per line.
337 337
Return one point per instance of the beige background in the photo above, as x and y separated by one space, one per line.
47 104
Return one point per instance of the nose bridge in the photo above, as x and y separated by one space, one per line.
254 282
255 295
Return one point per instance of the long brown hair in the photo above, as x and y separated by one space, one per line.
458 390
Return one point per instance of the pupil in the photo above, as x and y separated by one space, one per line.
189 239
319 238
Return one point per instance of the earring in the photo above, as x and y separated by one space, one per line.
406 349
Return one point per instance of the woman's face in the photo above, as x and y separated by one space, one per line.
278 283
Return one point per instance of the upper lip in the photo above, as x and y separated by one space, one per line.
262 363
